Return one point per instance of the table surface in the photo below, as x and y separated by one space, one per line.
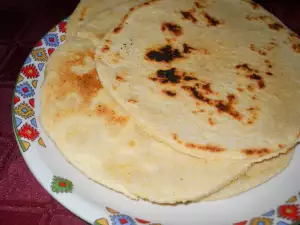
22 199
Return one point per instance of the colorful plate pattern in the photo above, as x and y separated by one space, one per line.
30 140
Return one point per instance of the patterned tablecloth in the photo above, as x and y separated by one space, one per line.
22 199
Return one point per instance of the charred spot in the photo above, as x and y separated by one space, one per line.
172 76
268 63
189 78
188 15
255 77
259 51
117 29
256 152
207 88
275 26
211 21
208 147
296 48
172 27
269 73
271 45
259 79
244 67
220 105
196 94
121 25
105 49
281 146
169 93
263 18
164 54
187 48
231 98
167 76
261 84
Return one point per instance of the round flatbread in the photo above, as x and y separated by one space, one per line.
212 79
98 137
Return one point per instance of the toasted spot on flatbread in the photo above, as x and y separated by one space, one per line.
211 21
169 93
111 115
84 82
172 27
132 101
222 106
296 48
83 13
163 54
189 15
275 26
210 148
256 152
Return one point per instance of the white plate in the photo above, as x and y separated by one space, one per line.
275 202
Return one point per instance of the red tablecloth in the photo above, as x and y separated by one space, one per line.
22 199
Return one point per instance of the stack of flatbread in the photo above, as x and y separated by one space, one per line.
174 101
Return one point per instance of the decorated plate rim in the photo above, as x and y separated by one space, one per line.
28 137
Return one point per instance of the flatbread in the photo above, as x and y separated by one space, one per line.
259 173
212 79
97 136
85 11
87 19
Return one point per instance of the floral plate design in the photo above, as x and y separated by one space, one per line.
275 203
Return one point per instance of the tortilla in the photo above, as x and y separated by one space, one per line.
212 79
85 11
97 136
258 174
87 19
